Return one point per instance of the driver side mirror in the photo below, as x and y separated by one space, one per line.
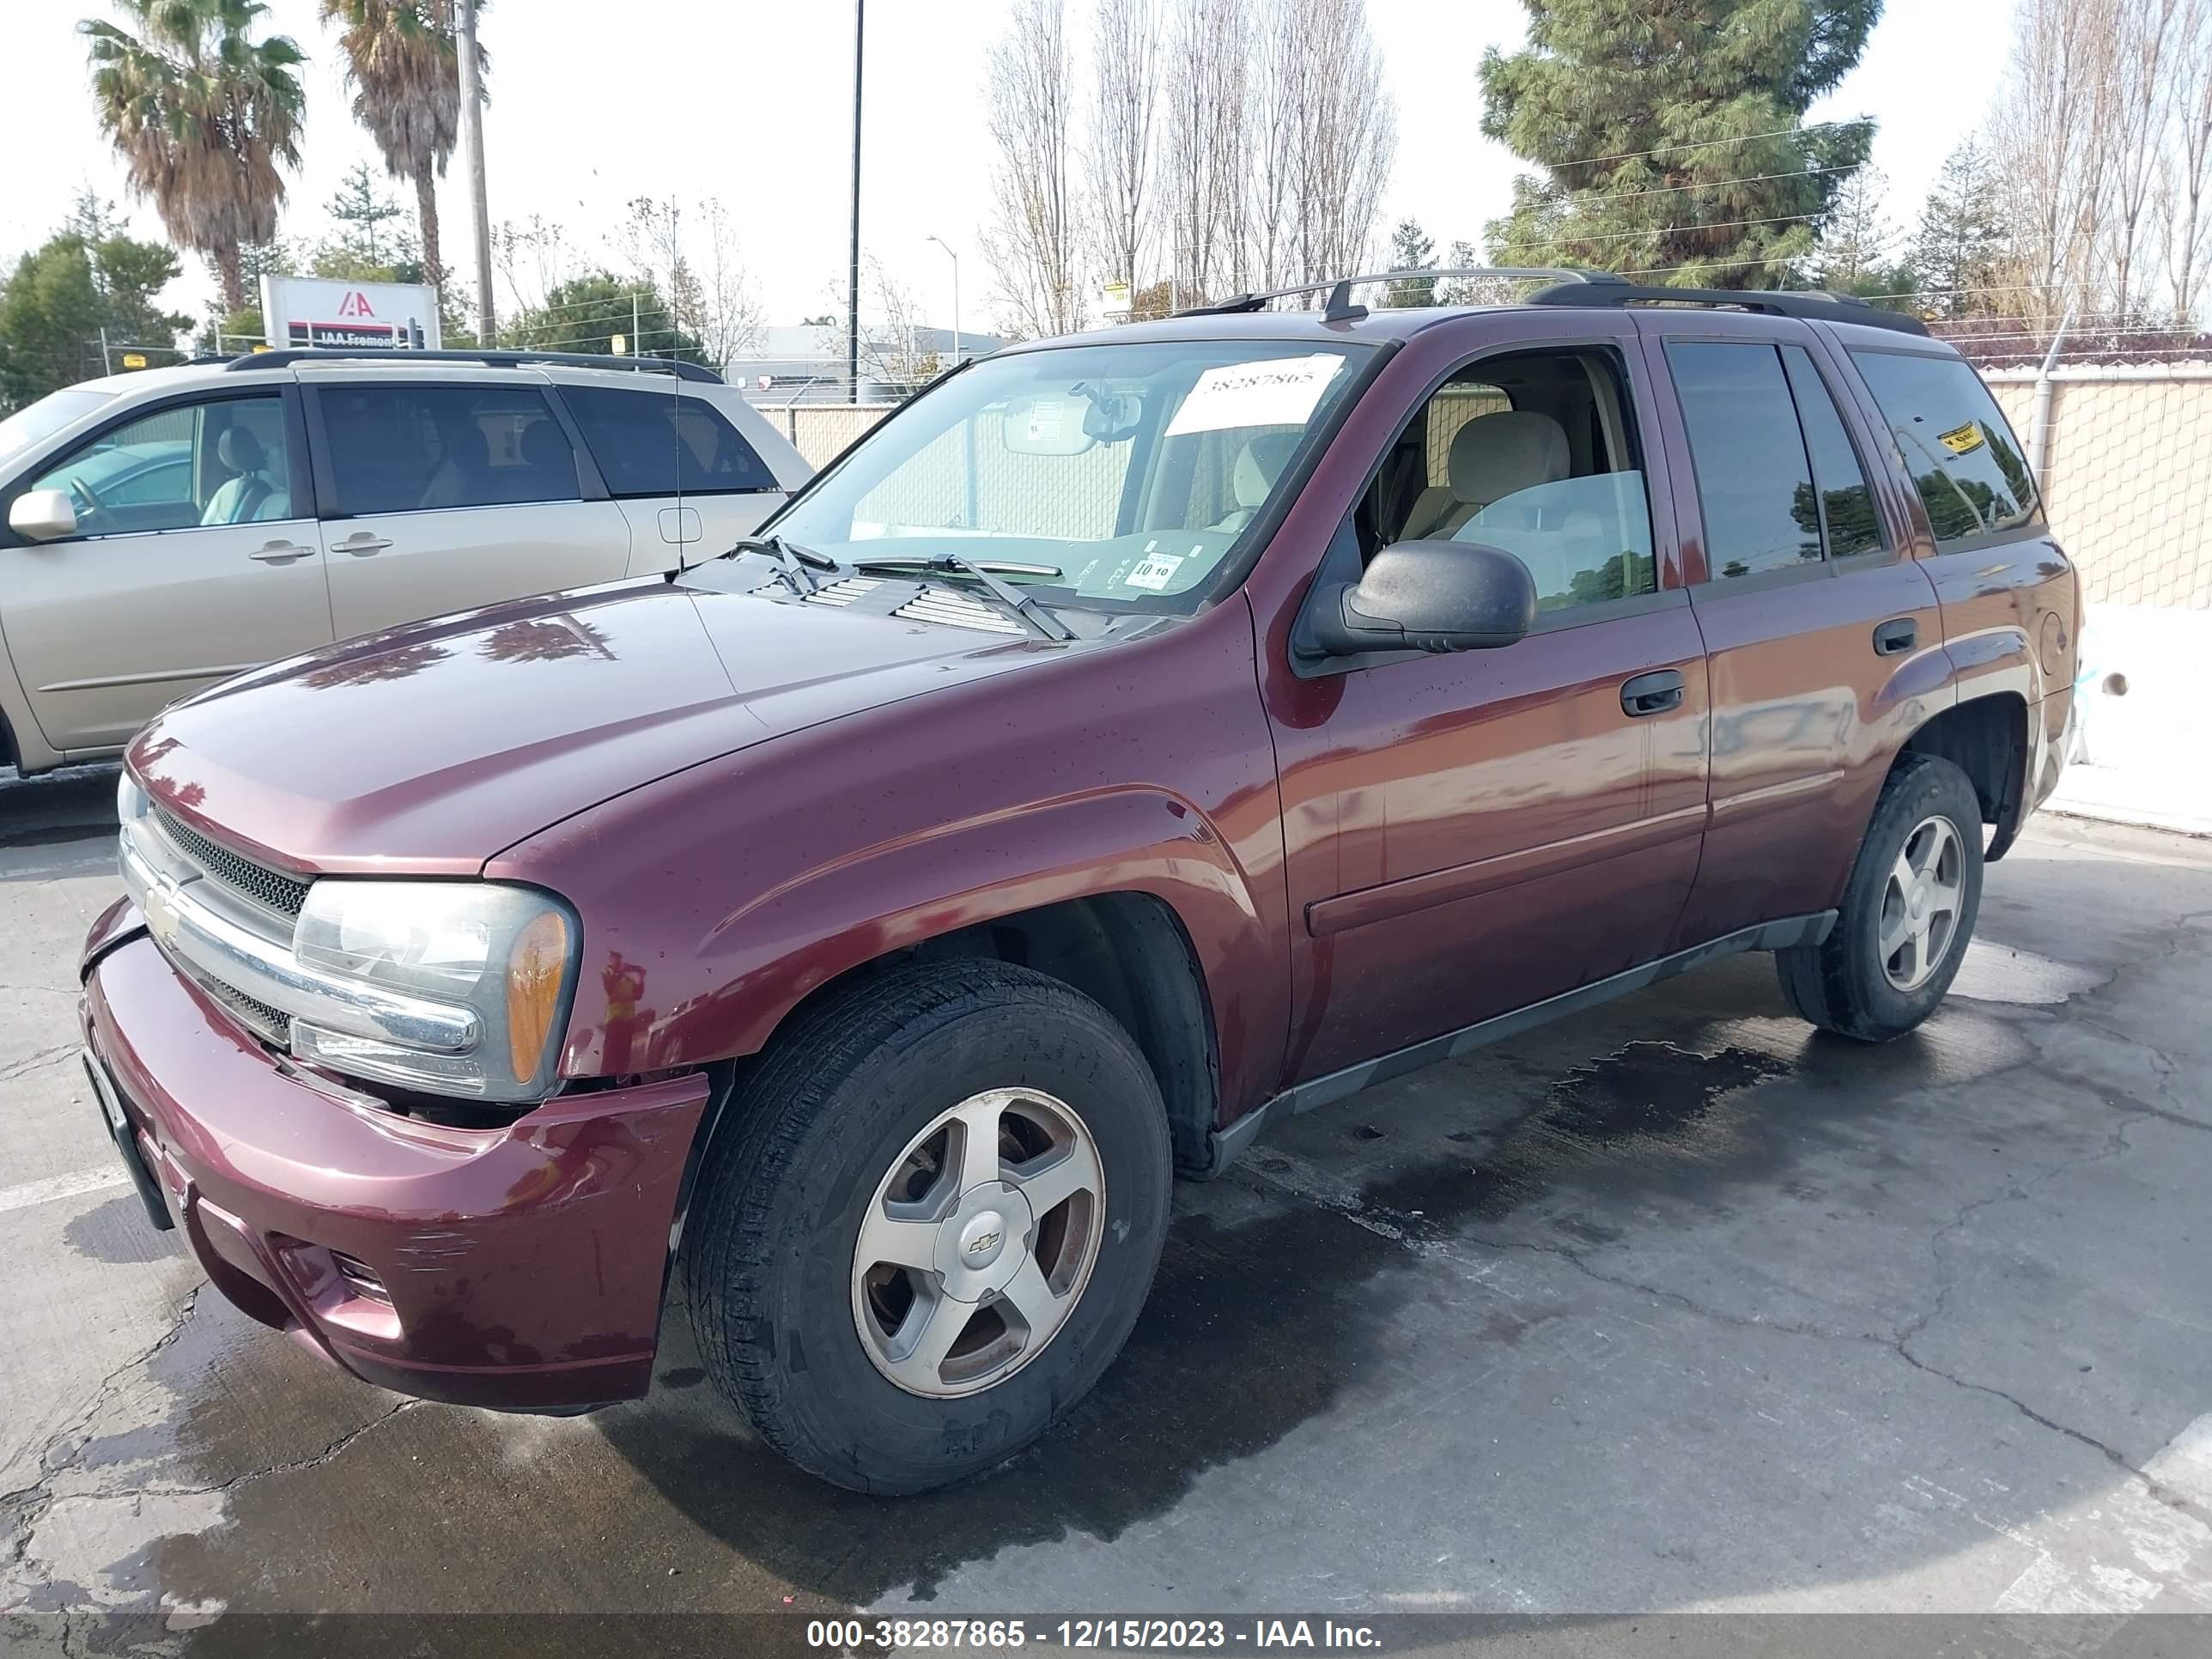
43 515
1427 596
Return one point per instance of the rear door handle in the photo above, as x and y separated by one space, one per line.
1894 638
280 552
360 545
1652 694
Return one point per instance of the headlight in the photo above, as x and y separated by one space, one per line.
506 954
130 802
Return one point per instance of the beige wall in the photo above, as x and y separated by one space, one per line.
2129 480
820 430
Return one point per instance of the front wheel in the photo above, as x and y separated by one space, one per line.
1907 913
933 1223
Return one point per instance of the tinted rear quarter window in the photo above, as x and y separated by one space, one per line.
415 448
1962 457
1754 482
660 443
1847 509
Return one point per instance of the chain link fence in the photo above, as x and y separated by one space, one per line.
2127 476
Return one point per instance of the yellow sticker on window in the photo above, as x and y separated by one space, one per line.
1961 439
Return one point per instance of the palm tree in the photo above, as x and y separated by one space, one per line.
205 119
404 66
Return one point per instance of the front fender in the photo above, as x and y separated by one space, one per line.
768 955
715 900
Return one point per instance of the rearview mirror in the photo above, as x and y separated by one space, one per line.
43 515
1427 596
1046 425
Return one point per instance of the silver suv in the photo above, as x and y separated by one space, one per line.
169 528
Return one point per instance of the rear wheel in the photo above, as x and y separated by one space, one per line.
932 1224
1907 913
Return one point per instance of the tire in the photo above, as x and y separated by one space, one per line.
822 1136
1848 984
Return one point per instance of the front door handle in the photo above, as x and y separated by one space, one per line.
280 552
360 545
1652 694
1894 638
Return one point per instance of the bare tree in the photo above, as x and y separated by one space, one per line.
1033 242
1203 158
693 262
2139 113
534 256
2051 130
732 319
2181 203
1344 133
893 346
1124 110
1273 208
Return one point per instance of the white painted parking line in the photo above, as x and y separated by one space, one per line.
61 1185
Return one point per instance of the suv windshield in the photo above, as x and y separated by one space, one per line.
1132 471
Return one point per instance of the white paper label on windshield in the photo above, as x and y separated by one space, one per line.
1155 571
1275 392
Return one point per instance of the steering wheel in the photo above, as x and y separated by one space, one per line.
85 492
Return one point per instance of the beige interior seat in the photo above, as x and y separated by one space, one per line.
1493 456
1258 464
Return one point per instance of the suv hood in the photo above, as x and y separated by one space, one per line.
432 747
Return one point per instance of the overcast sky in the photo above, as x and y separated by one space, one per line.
752 101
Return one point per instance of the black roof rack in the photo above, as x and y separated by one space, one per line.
510 357
1601 289
1340 308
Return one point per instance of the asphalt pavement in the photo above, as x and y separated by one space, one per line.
1672 1307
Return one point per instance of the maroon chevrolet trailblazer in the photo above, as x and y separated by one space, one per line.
1135 736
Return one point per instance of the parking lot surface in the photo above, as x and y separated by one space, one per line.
1672 1306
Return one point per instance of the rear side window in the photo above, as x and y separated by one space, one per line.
658 443
1754 481
411 448
1847 510
1962 455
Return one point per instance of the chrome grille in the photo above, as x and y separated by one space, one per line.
281 893
936 604
273 1023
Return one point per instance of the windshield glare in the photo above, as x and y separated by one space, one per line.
46 417
1132 470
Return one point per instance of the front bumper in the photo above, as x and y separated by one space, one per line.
519 1267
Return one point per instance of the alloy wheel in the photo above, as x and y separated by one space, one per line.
1920 903
978 1242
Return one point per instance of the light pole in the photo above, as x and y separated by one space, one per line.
954 257
852 272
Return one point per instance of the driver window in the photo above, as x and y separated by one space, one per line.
219 463
1535 455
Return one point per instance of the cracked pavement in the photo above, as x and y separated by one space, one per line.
1673 1306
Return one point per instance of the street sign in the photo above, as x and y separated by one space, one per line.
134 360
313 311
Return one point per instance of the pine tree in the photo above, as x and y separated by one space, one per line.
1858 241
1960 243
363 212
1412 250
1671 137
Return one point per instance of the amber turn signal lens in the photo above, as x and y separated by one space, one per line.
534 967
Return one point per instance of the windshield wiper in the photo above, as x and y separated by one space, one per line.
1025 609
793 561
